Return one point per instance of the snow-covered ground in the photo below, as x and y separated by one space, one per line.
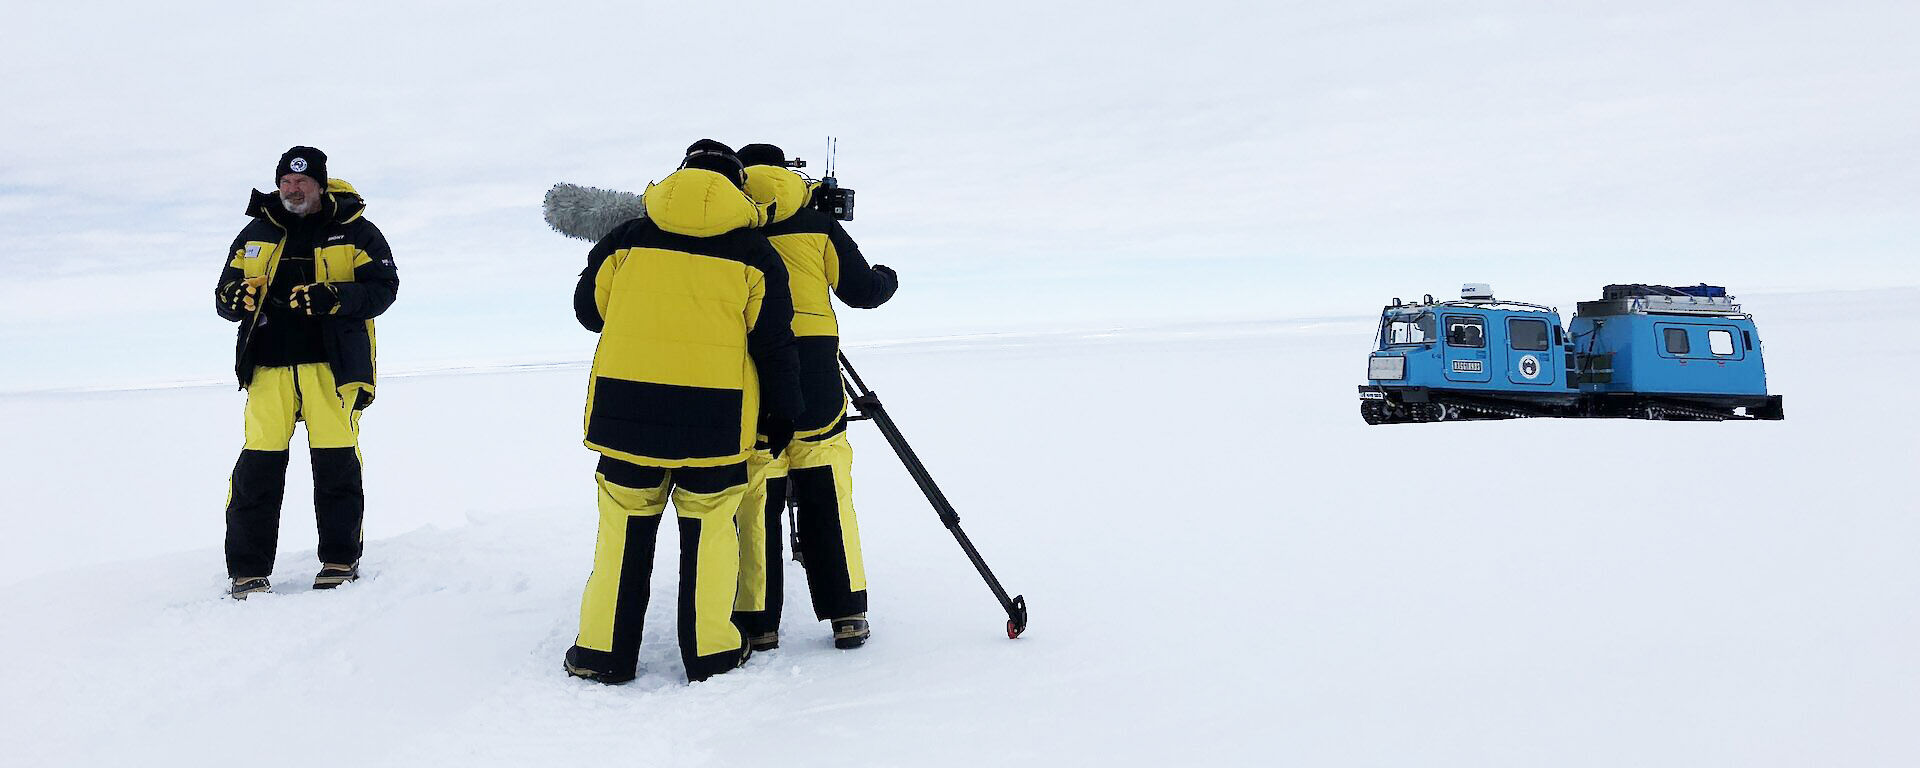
1225 567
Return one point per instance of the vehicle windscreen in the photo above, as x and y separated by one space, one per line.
1408 329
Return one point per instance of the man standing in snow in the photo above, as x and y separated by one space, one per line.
822 262
304 280
695 356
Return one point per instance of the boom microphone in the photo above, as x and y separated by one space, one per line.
589 213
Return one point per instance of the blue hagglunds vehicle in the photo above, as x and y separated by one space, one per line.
1641 351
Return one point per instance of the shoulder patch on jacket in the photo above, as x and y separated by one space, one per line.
253 252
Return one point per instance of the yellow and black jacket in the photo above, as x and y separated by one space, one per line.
822 262
349 253
694 316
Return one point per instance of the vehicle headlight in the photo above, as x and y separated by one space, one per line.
1386 367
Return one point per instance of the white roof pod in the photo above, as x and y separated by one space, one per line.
1476 292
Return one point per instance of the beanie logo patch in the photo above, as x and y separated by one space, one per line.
299 165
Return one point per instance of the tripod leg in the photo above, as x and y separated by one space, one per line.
870 409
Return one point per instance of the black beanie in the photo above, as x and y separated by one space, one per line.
306 161
762 154
710 155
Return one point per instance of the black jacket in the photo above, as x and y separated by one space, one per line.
350 254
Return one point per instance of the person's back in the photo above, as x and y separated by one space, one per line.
822 262
676 298
694 317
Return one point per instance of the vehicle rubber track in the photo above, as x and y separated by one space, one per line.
1456 408
1445 409
1659 410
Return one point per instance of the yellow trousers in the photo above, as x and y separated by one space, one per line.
819 476
632 500
277 398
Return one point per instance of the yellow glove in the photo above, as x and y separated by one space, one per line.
242 295
314 299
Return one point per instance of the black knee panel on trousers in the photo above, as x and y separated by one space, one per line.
339 504
253 512
822 549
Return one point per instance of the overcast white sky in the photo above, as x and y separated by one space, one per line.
1023 165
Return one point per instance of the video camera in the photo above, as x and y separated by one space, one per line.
828 196
833 200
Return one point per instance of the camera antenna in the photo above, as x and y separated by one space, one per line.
833 150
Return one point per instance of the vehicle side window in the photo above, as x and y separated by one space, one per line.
1677 341
1527 335
1466 331
1721 342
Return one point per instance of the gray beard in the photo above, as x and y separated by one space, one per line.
589 213
312 204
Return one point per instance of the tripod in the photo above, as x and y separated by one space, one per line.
871 410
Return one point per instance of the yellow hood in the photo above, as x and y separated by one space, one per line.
347 202
778 187
701 203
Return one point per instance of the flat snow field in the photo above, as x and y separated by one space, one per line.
1225 567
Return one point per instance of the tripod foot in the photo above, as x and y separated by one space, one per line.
1017 617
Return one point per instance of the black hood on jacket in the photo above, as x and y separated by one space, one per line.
342 206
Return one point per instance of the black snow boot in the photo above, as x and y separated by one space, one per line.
332 575
765 641
243 587
851 631
746 652
577 667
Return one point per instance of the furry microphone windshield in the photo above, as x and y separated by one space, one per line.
589 213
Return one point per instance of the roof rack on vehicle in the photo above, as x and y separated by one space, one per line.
1643 298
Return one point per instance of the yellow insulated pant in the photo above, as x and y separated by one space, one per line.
277 398
632 499
819 476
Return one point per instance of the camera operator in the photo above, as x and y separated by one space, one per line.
820 260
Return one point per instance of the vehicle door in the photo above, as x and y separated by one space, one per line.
1465 343
1529 352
